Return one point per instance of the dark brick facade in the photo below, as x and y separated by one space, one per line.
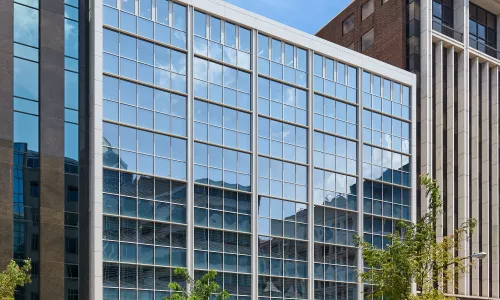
389 21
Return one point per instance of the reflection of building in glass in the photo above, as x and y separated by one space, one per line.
26 190
452 47
236 145
214 139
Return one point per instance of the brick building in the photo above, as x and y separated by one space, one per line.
364 18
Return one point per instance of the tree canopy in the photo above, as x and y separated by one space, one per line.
414 255
200 289
14 277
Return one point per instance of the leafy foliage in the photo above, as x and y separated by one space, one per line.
13 277
197 290
414 255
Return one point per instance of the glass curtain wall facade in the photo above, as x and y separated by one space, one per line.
227 148
71 148
26 164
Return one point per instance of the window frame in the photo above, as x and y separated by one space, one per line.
344 32
366 5
372 31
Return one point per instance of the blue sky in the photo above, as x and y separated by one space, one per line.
314 14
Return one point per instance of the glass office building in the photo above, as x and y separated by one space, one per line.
221 140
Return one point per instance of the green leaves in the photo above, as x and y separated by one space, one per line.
414 255
14 277
197 290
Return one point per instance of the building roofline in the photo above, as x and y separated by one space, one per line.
300 38
338 14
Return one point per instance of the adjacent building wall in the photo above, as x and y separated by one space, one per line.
389 22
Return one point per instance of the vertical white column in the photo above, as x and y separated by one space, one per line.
190 146
461 24
425 95
458 15
438 102
450 153
95 148
474 172
484 201
255 193
414 147
463 159
310 180
495 208
498 32
360 175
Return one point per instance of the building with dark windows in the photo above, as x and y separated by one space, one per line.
141 136
452 46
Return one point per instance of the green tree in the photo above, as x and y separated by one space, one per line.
414 255
200 289
14 277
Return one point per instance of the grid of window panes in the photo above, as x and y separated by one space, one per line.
282 228
144 234
335 79
222 40
222 238
384 95
376 229
386 200
386 166
442 16
168 26
282 179
335 190
142 151
282 170
335 182
335 153
335 116
25 175
222 167
222 84
483 30
137 59
387 170
335 272
282 61
222 125
143 106
222 157
71 137
385 131
282 140
282 101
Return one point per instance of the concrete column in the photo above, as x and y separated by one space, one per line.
474 172
6 132
360 176
484 228
425 94
438 106
255 193
52 193
310 179
95 159
190 146
495 208
463 159
450 150
498 32
459 16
